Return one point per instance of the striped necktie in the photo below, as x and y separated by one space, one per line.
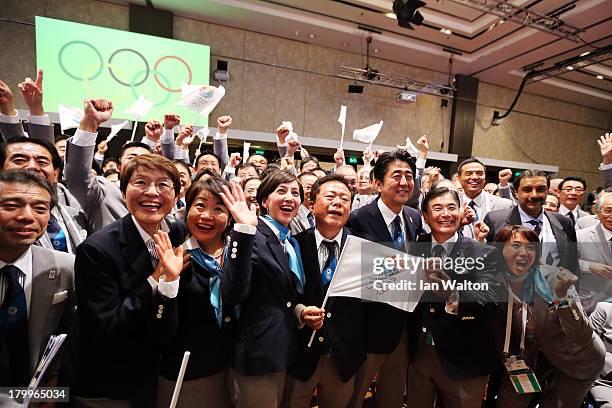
152 252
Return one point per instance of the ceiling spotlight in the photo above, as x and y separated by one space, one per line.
599 77
406 12
296 33
344 44
570 68
311 35
376 50
391 15
584 54
446 31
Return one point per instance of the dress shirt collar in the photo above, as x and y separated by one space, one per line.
143 234
320 238
448 244
388 214
525 218
24 262
607 233
563 210
478 200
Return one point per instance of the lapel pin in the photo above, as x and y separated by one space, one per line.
52 273
12 310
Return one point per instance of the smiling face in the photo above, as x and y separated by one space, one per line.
247 172
148 198
605 212
250 192
31 156
472 178
207 218
571 193
307 181
184 177
332 206
519 254
24 214
284 202
396 186
531 194
552 203
258 161
443 216
208 161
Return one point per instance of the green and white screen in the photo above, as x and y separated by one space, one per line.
82 61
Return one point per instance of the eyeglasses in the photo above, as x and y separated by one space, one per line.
143 184
570 189
607 211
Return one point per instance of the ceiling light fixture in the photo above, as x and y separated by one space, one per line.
599 77
570 68
584 54
376 50
311 35
296 32
446 31
344 44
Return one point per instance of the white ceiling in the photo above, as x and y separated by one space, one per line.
492 51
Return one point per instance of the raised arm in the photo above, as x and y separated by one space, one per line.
220 140
10 126
605 146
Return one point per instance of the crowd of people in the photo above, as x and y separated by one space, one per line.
144 256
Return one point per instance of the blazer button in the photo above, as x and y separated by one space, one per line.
161 307
288 304
431 310
227 319
234 244
159 316
328 315
424 329
233 256
321 339
234 250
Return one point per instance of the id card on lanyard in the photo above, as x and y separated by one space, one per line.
522 377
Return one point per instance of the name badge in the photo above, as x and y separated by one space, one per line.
523 379
52 273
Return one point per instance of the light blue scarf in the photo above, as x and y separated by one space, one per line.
533 281
293 251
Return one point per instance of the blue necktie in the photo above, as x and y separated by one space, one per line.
398 235
311 219
330 264
472 204
209 264
14 344
293 252
57 235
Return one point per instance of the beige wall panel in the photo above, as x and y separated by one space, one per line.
289 98
186 29
225 41
22 10
232 102
17 58
258 98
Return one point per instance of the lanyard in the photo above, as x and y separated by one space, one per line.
509 322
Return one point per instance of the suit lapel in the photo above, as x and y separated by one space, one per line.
599 239
514 218
277 250
377 222
310 257
134 249
559 234
45 279
410 225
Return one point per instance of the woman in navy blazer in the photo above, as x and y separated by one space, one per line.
259 278
203 326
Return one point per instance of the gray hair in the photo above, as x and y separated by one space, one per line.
600 199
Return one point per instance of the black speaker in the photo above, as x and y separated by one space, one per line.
151 21
355 89
221 65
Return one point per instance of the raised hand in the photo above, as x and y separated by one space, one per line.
224 123
234 160
339 158
605 147
171 120
185 136
153 130
32 93
367 157
481 230
423 146
6 100
102 147
292 147
170 259
468 215
96 111
504 176
565 280
281 133
286 163
377 154
235 202
313 317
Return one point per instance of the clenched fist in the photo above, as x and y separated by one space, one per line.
96 112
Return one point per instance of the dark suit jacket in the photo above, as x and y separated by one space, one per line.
257 277
562 228
197 330
342 333
384 323
463 342
116 340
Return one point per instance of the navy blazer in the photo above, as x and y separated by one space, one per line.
343 330
384 323
116 339
463 342
257 277
197 330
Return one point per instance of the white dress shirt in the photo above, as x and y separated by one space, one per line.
322 251
546 235
389 217
24 263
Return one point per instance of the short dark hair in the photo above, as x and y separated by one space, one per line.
150 162
309 159
529 174
306 174
204 172
316 187
133 144
271 182
437 192
245 165
573 178
468 161
213 185
109 159
269 170
60 137
55 158
178 162
208 153
385 159
110 172
31 179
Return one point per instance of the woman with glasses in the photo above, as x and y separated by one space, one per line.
203 320
264 275
548 343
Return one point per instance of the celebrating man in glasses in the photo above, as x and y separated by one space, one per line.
571 190
127 278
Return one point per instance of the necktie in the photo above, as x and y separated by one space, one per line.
311 219
294 254
536 226
438 251
153 253
14 345
571 217
57 235
398 234
180 204
209 264
330 264
472 204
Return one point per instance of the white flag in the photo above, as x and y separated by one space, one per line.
203 135
70 117
367 134
140 108
245 151
363 272
292 135
342 120
115 129
201 98
409 147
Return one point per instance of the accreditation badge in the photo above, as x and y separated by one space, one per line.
522 377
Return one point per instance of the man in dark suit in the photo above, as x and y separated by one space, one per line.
36 284
387 220
556 232
338 350
454 353
126 305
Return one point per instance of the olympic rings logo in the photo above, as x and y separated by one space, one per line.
139 77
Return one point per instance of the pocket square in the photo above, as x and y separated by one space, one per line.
59 297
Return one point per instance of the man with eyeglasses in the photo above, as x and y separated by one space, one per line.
126 299
571 190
